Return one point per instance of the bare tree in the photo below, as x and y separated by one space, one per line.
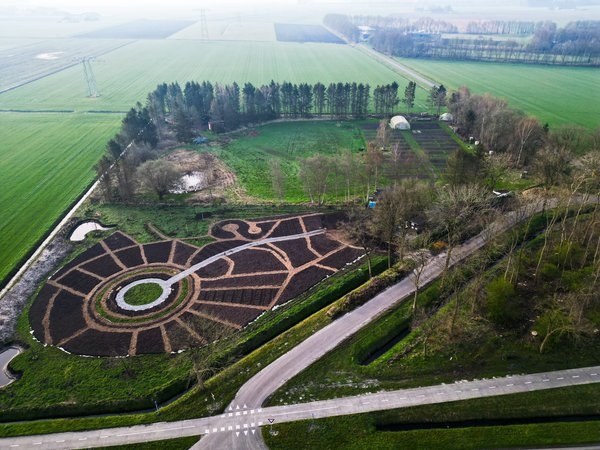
495 166
373 162
420 259
564 317
277 179
314 172
528 133
458 211
158 175
360 230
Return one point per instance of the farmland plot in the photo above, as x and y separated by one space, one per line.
26 63
288 32
229 30
121 85
557 95
43 168
140 29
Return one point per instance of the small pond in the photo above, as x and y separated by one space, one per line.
84 228
6 356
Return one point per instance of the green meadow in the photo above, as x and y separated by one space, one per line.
557 95
46 161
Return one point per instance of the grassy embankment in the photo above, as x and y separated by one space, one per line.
435 350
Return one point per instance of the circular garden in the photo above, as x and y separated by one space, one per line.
227 285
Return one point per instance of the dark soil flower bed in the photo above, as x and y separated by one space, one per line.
90 253
79 281
297 251
287 227
105 266
234 314
131 257
150 341
274 279
119 240
67 316
78 310
302 282
323 245
183 252
158 252
255 260
342 257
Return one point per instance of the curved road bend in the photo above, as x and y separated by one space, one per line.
256 390
240 425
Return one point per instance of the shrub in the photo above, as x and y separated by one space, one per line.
502 307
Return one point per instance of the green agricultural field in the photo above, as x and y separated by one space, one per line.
125 76
46 161
229 30
557 95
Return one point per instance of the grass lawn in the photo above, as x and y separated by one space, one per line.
249 156
557 95
46 161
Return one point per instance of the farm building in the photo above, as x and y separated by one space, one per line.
447 117
399 123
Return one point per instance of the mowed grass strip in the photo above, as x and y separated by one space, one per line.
46 162
557 95
125 76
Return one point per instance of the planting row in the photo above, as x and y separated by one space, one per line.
78 310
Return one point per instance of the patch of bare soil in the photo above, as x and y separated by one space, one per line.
216 176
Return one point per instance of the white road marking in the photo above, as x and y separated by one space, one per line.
215 430
593 374
207 431
575 376
492 387
82 439
560 378
510 385
229 428
475 389
260 424
222 428
545 380
37 443
528 382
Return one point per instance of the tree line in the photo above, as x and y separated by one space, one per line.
578 43
231 105
171 112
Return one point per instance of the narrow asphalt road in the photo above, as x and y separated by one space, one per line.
239 425
256 390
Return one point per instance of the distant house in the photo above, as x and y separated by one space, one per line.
216 126
399 123
446 117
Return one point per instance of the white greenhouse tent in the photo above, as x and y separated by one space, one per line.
447 117
399 123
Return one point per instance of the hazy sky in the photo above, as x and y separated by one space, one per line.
116 7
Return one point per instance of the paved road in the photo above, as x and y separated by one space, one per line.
240 425
421 80
425 83
256 390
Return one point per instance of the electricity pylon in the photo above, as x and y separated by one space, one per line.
90 78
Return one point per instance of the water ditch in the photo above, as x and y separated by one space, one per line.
475 423
6 356
380 350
